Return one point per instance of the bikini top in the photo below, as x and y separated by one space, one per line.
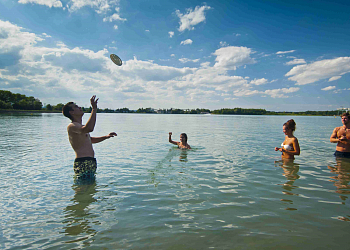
287 147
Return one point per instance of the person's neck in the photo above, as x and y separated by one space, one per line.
347 126
78 120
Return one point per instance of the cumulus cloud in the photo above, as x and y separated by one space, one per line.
49 3
171 34
280 93
192 17
328 88
114 17
223 44
233 57
187 41
185 60
274 93
100 6
259 81
310 73
334 78
296 61
284 52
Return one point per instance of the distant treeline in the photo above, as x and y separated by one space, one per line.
9 100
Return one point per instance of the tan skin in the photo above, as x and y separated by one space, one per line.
341 135
292 141
78 133
182 144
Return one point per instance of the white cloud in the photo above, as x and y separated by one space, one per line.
147 30
284 52
233 57
334 78
100 6
115 27
185 60
224 44
310 73
114 17
187 41
172 55
280 93
48 3
192 17
328 88
274 93
259 81
296 61
171 34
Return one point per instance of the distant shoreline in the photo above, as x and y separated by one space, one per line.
57 111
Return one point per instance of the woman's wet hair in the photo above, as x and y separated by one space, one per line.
184 134
290 124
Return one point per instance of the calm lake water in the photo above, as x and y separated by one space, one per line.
231 191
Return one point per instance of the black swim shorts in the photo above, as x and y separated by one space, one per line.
342 154
85 167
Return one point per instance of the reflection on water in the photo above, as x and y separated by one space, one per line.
290 171
78 215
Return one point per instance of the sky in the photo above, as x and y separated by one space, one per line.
271 54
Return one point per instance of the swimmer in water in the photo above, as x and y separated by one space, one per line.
290 146
79 137
183 141
341 136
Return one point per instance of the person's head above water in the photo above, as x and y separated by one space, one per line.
183 138
289 126
71 109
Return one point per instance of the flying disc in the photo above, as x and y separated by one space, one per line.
116 59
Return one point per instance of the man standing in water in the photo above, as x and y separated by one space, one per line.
341 136
85 164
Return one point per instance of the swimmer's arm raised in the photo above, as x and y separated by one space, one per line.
171 141
90 125
102 138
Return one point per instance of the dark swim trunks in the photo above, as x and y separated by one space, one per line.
342 154
85 167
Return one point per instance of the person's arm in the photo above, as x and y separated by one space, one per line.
334 136
171 141
90 125
102 138
296 147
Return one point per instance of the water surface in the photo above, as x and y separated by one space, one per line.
231 191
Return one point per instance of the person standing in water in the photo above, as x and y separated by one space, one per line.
85 164
290 146
341 136
183 141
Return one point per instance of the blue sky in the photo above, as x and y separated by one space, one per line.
276 55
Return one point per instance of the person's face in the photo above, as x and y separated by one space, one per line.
286 131
182 138
345 120
76 110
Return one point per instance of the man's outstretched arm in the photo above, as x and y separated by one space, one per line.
102 138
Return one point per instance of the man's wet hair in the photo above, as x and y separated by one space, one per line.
66 108
346 114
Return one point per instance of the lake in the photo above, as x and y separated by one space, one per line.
231 191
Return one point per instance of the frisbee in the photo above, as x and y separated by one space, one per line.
116 59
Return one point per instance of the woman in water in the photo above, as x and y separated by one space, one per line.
290 146
183 141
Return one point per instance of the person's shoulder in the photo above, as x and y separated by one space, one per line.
337 128
73 125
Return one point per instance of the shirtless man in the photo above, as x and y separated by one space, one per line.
341 136
85 164
183 141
